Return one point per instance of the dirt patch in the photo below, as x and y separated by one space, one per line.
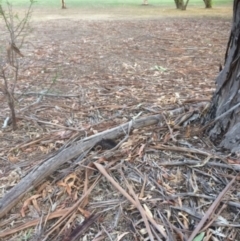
94 75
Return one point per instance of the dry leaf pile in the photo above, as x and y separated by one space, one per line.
163 181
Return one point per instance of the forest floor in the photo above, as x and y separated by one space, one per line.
81 76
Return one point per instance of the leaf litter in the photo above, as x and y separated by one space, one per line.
161 182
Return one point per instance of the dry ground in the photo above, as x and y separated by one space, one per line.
95 72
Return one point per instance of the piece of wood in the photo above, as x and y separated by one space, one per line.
38 175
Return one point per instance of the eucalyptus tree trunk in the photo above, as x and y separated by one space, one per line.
223 117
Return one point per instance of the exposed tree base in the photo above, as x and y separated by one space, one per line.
226 131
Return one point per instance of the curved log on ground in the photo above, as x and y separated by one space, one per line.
40 173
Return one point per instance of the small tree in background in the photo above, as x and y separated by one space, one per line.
208 3
63 4
180 4
17 30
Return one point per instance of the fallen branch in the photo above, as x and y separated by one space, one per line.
39 174
46 168
45 93
187 162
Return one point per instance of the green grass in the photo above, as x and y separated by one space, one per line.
112 3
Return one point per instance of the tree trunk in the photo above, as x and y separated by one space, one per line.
208 3
184 7
63 4
225 107
179 4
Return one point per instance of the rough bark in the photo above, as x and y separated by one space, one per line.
226 131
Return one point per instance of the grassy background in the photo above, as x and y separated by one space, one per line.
120 9
114 3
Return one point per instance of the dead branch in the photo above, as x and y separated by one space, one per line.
36 176
44 93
